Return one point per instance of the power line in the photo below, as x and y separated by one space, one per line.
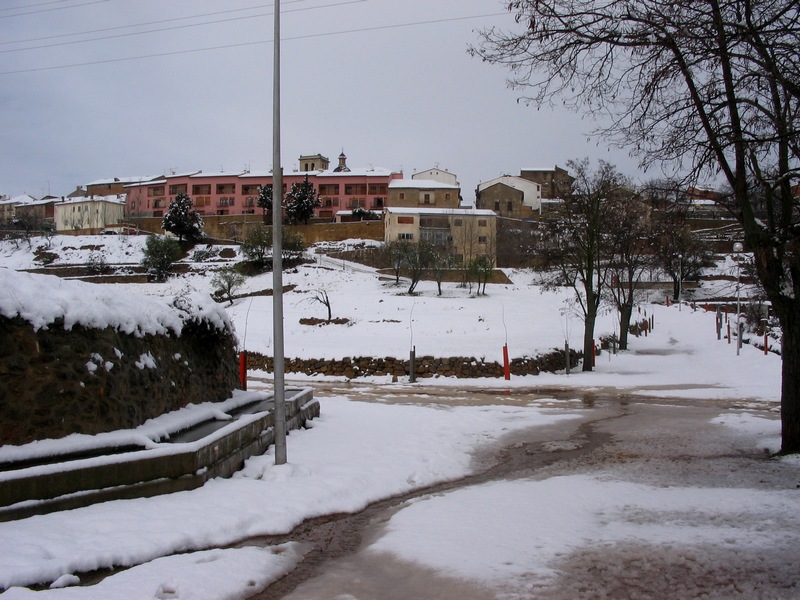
255 43
175 27
44 10
145 24
33 5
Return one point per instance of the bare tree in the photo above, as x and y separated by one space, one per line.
678 252
631 227
416 259
579 245
711 86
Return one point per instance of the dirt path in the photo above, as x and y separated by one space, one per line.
657 442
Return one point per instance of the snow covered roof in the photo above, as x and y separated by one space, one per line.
187 174
21 199
144 183
358 172
219 174
419 184
440 211
123 180
114 198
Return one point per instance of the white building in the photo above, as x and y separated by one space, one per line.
89 215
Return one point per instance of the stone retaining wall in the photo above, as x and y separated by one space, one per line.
425 366
55 382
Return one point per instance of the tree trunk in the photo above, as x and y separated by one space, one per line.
790 391
588 338
625 313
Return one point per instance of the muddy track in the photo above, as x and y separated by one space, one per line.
333 537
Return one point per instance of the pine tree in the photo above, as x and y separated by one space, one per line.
181 220
301 202
264 200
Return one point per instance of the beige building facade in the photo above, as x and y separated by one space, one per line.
468 233
89 215
510 197
423 193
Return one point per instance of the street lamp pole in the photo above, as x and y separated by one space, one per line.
680 280
279 412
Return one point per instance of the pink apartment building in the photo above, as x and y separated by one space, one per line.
236 193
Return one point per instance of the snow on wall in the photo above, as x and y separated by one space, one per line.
41 300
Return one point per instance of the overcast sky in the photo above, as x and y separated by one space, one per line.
186 85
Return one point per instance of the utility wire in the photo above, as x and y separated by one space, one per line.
33 5
145 24
244 44
174 27
44 10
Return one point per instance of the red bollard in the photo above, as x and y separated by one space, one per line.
766 347
667 301
243 369
506 369
594 354
729 332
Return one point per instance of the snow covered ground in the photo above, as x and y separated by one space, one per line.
505 537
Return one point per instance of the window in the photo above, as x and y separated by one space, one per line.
481 239
497 206
157 190
426 199
247 189
482 223
447 196
355 189
202 201
405 236
510 206
402 195
226 188
178 188
458 222
405 220
201 190
329 189
376 189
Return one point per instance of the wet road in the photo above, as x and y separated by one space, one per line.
659 441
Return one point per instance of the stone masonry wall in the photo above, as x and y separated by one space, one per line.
425 366
55 382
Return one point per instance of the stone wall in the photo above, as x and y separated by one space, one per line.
425 366
55 382
235 228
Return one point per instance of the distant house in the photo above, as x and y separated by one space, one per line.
437 174
468 234
8 206
112 186
90 215
429 193
38 213
510 197
555 182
